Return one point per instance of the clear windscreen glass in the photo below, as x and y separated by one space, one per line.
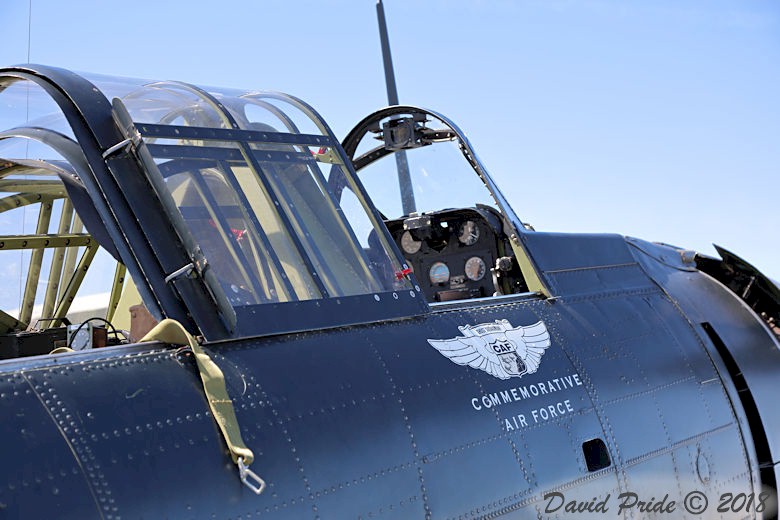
441 178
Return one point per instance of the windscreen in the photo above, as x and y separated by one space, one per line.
439 176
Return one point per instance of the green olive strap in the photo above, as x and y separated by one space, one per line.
171 331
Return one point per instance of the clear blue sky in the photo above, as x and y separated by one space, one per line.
656 119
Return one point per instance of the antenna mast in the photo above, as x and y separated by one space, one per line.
404 177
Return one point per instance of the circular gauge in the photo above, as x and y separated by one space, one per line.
468 234
409 244
439 273
475 268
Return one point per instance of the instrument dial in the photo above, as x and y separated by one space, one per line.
439 273
409 244
475 268
468 234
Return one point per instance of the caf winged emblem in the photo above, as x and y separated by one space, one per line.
497 348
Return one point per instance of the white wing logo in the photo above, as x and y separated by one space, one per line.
497 348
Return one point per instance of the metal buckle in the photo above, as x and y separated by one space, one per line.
244 473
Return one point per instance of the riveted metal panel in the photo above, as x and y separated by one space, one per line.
323 396
562 251
598 487
698 417
374 421
601 278
754 350
557 452
44 475
125 418
636 425
653 479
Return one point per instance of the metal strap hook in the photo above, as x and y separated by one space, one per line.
256 483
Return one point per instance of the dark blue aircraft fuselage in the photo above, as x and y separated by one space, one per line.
372 420
620 375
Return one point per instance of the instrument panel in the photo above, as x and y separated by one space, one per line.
453 253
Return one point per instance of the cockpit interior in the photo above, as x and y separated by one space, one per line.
237 213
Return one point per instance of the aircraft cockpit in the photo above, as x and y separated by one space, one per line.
449 220
235 213
210 206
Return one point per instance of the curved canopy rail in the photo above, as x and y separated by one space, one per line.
217 201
